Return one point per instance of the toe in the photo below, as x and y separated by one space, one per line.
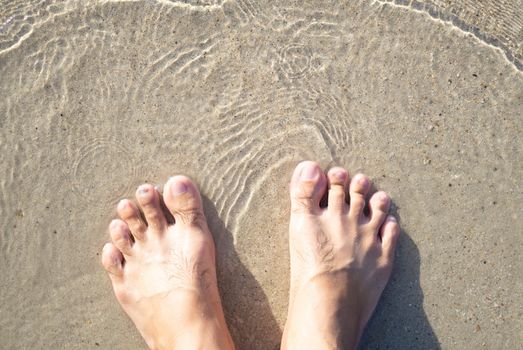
182 198
307 187
121 236
390 231
358 189
112 260
337 188
379 205
129 212
149 200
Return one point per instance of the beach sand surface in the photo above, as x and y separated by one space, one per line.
426 97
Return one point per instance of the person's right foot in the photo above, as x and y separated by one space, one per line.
341 259
164 274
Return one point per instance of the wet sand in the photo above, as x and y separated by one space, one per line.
425 97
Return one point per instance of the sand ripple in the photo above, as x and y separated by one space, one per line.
98 97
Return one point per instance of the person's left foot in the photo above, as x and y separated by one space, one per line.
341 258
164 275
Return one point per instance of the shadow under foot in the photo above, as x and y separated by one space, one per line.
399 321
246 306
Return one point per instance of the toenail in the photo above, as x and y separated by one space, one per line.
309 172
123 204
178 188
363 181
143 190
340 175
391 219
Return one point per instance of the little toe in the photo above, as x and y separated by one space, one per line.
337 178
389 233
112 260
149 200
358 189
308 185
183 200
121 236
129 212
379 205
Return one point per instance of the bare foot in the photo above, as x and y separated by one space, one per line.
341 259
164 275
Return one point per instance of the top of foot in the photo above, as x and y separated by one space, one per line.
341 259
163 274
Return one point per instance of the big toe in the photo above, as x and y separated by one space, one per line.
183 200
308 186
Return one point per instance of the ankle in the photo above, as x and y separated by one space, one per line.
324 316
209 335
187 321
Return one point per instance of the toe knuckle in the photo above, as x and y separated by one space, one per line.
154 216
147 200
191 216
117 236
356 203
304 193
121 240
302 204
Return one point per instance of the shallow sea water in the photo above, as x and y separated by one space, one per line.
426 97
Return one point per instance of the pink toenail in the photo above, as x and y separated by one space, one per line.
363 181
340 175
178 188
309 172
143 190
